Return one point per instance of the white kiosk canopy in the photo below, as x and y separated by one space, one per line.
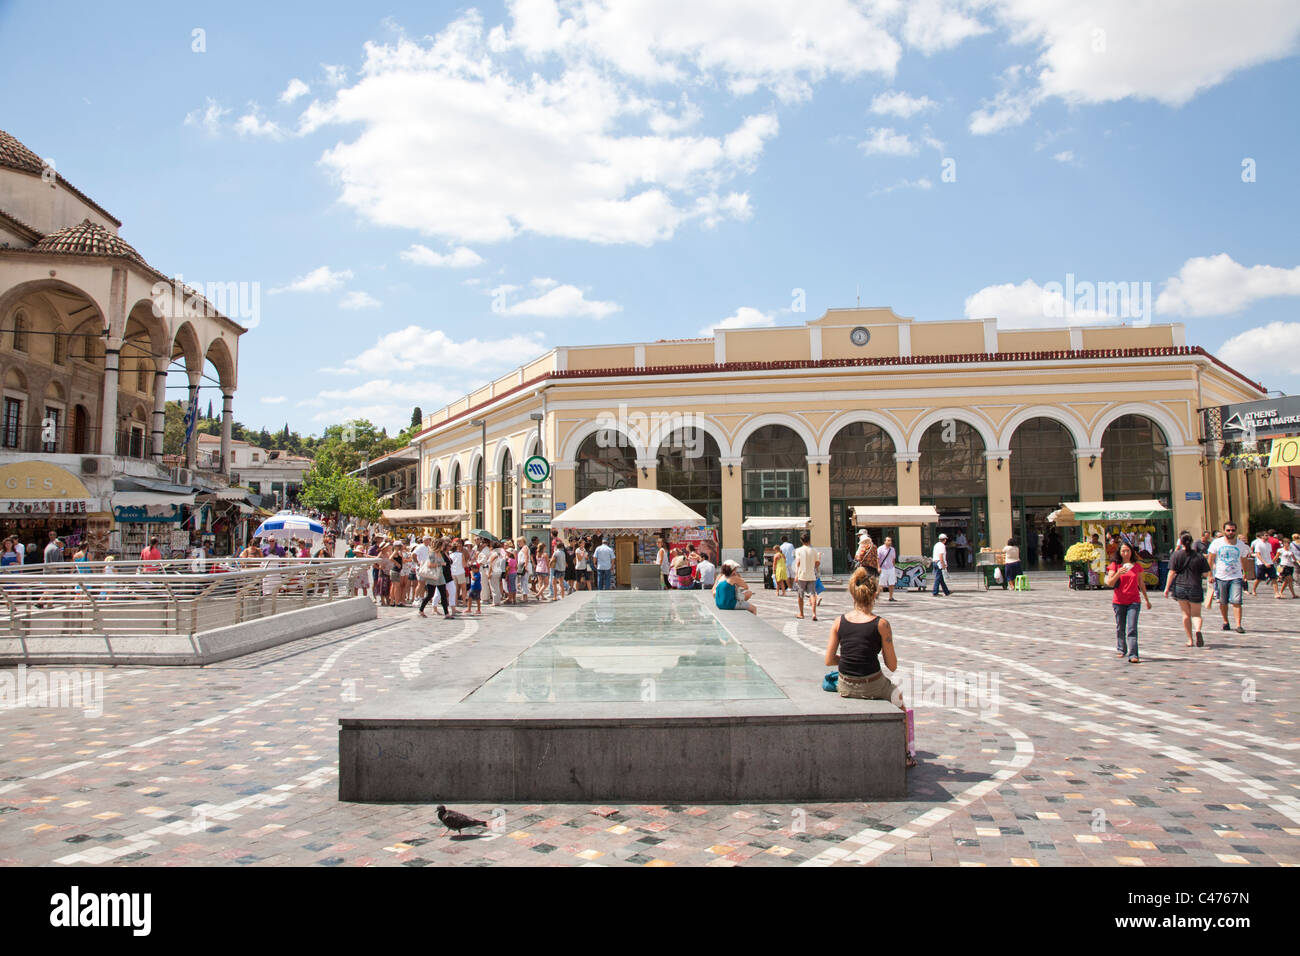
894 516
633 509
776 524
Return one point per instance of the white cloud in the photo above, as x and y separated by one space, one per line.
459 258
275 399
322 279
478 154
1064 156
560 302
207 119
334 75
1030 306
250 125
934 25
359 300
1257 351
1218 285
783 47
898 103
921 183
744 317
1098 51
414 347
543 283
885 142
295 89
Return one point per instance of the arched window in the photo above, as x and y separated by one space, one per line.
15 406
1134 460
689 467
60 348
455 487
862 472
774 481
20 331
1043 460
954 478
437 487
143 374
507 496
480 492
606 460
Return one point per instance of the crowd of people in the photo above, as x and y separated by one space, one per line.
460 571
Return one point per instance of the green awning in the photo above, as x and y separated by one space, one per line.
1105 512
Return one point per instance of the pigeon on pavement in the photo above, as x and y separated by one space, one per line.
453 820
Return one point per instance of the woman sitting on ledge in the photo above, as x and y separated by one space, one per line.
730 592
858 640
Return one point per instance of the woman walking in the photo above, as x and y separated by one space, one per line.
858 640
543 573
1186 584
1125 576
433 574
780 573
580 565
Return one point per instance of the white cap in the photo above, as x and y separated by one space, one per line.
943 537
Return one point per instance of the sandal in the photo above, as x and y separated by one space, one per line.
911 761
1134 660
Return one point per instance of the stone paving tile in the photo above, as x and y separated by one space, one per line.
1189 759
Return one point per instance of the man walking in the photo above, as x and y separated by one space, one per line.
807 563
1225 560
939 565
1264 570
604 558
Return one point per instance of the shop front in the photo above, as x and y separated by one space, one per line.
37 498
140 516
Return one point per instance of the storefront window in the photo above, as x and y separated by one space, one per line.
455 487
952 461
1043 460
606 461
775 465
507 496
862 463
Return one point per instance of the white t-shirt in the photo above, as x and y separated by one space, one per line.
707 572
1263 551
421 553
805 560
1012 553
524 560
1286 557
1227 559
886 554
457 563
940 555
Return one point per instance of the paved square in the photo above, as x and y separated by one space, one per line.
1186 759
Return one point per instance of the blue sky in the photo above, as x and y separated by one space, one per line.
430 194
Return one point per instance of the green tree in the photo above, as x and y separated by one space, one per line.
173 428
417 416
333 492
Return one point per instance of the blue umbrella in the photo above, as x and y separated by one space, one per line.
288 525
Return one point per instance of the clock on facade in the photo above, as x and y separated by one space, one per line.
860 336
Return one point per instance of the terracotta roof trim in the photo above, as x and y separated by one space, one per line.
31 233
1161 351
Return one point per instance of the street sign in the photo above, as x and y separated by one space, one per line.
1192 495
1275 416
537 469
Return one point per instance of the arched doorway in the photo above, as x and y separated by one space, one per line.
455 487
80 431
1044 474
606 461
954 478
774 482
480 492
1135 465
862 472
507 496
689 467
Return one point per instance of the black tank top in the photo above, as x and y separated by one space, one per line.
859 647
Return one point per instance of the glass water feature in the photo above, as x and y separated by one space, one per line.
629 647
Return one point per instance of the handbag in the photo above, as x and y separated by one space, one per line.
831 682
819 586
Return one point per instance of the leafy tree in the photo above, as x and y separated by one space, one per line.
335 493
416 417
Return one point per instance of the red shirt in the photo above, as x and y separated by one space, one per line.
1276 545
151 554
1128 588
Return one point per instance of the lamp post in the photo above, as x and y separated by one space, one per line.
538 417
482 485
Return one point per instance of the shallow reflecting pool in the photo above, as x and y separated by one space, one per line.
632 646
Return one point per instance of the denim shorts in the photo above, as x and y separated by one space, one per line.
1228 592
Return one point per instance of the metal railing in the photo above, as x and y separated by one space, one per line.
165 598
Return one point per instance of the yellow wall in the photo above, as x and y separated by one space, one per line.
1128 337
1047 340
680 353
942 338
766 345
836 343
613 356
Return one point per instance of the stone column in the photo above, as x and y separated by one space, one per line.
159 413
108 407
732 543
650 477
1185 474
227 419
909 493
999 492
819 507
1089 473
192 449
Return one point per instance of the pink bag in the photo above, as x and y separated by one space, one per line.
911 732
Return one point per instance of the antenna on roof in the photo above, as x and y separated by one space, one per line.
859 294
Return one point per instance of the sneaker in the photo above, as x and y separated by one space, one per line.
1200 641
1227 627
1241 630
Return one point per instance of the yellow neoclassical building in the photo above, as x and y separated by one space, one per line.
995 428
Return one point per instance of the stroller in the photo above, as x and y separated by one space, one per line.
911 577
